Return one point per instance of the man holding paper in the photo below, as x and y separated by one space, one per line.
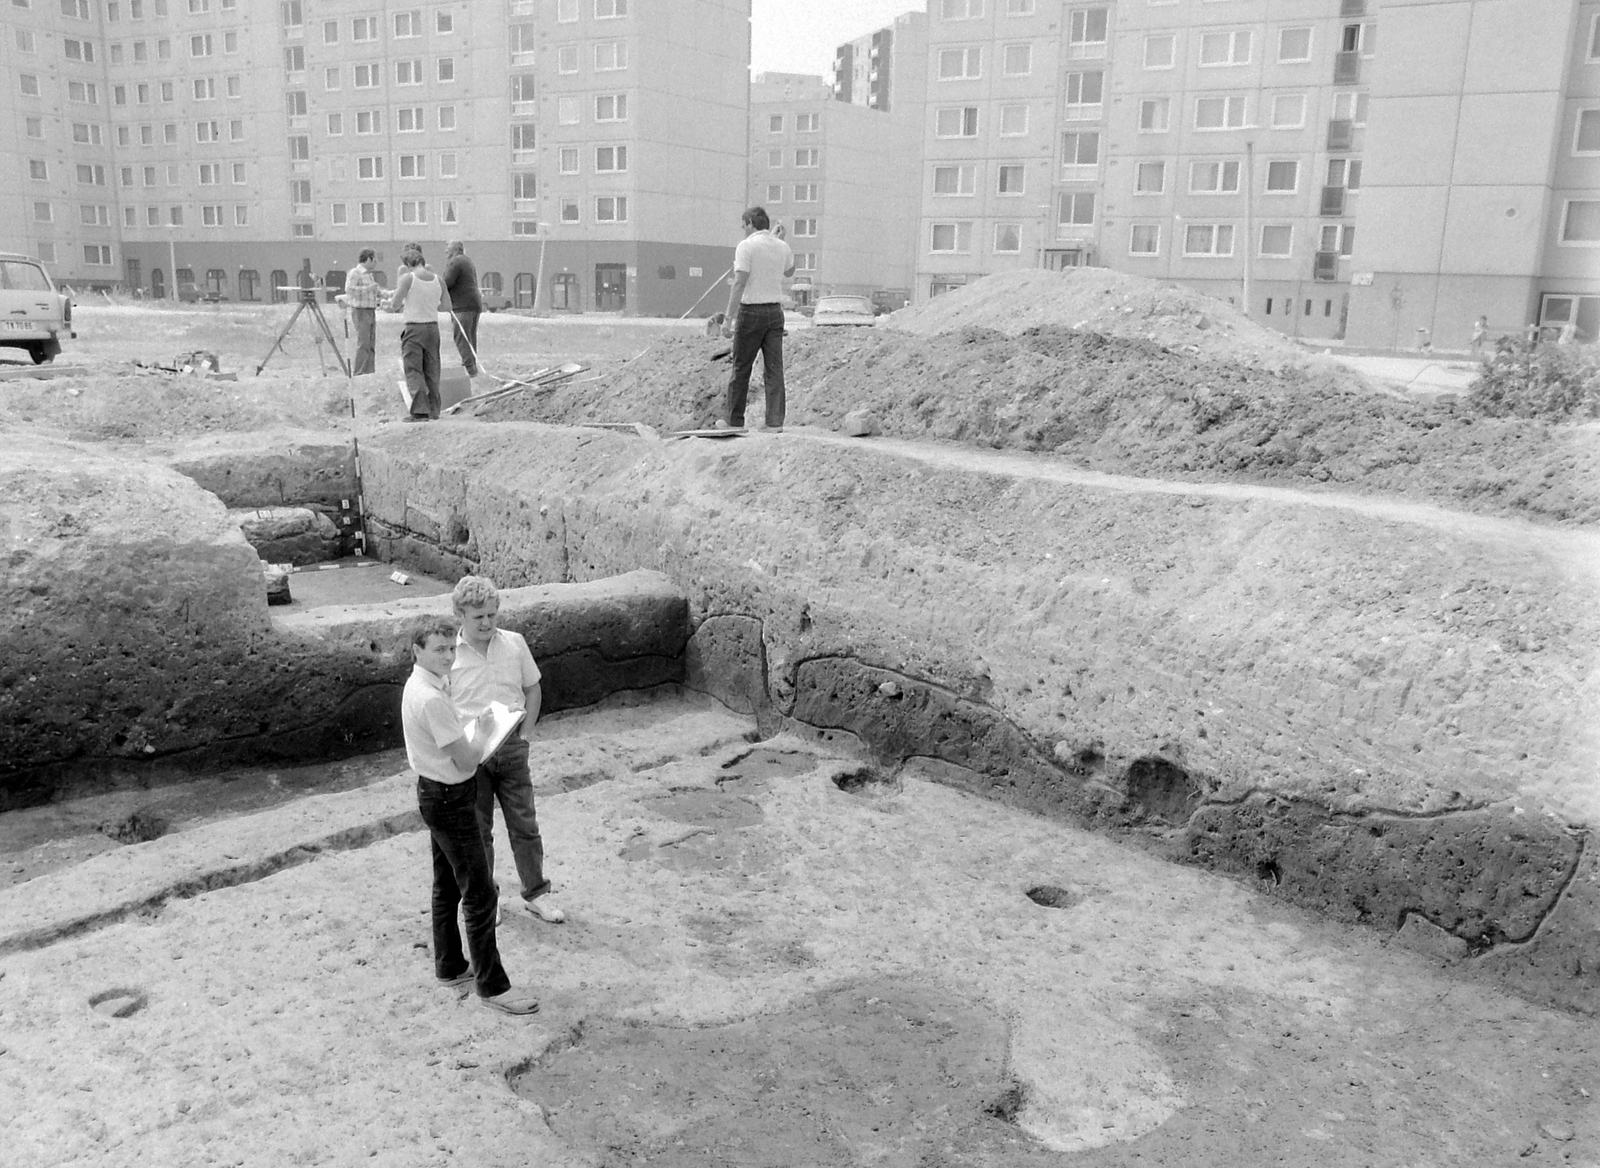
494 665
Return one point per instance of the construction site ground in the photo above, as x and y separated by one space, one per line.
772 956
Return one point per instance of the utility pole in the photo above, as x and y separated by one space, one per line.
172 255
538 280
1249 197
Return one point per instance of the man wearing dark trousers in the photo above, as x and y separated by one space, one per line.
461 282
755 316
361 296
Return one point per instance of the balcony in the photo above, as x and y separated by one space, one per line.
1347 68
1332 202
1341 134
1327 267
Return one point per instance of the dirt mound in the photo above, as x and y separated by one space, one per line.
1102 301
1121 406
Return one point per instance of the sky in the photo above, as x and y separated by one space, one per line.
799 36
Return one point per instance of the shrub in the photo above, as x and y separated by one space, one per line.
1530 379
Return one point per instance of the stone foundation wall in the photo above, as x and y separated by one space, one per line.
1383 712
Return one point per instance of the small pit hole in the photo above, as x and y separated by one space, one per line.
1053 896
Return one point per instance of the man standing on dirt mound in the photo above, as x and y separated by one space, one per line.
755 316
461 282
419 294
494 665
361 296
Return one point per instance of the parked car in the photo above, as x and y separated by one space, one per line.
494 300
33 314
843 310
188 293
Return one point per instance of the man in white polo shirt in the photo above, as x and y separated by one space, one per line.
495 665
755 316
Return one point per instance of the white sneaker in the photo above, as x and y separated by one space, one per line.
545 909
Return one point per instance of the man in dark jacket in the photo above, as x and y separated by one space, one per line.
461 285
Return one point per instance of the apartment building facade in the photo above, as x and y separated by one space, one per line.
236 141
840 176
1270 155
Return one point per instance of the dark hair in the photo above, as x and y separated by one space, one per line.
439 628
757 218
366 254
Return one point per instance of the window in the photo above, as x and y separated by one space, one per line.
141 51
1076 209
1160 52
295 101
1586 134
163 49
41 213
37 169
408 72
1013 121
447 164
338 215
124 135
956 122
152 216
951 237
1350 107
408 120
1277 239
95 216
408 24
1019 7
230 42
608 9
1225 48
1288 111
369 167
774 159
1213 178
91 175
35 127
1154 115
413 211
525 188
775 123
238 173
78 50
84 132
610 158
1219 113
805 261
1144 239
412 166
169 134
371 214
98 254
805 228
1208 239
809 158
1294 45
807 123
567 159
961 64
1594 38
445 70
1011 179
567 110
444 23
294 16
1359 38
960 9
955 180
447 117
211 215
1340 238
1580 222
300 192
235 83
611 209
774 192
330 32
611 107
1079 148
447 211
1016 60
1007 238
367 76
610 56
570 212
241 215
566 58
205 88
364 28
1283 176
1087 31
85 93
199 6
1085 93
1150 178
26 44
175 216
805 192
566 11
130 216
166 91
335 125
47 253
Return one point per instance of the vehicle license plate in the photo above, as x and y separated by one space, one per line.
21 325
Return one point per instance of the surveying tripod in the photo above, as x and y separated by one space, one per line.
308 299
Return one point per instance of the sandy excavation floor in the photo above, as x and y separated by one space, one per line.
771 959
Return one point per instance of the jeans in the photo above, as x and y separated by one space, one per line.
461 876
758 329
504 776
466 335
419 352
366 340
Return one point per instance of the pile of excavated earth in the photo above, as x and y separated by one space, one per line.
1117 567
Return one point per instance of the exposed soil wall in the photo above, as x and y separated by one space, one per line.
1120 655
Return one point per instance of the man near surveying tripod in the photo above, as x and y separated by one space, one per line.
419 294
361 296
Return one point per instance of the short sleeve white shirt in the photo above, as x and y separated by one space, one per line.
498 675
430 722
766 258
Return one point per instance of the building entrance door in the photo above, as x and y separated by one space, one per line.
158 284
564 292
1073 257
1557 310
610 287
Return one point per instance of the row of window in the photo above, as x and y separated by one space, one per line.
1080 151
803 123
82 9
806 159
800 192
1200 240
370 76
407 120
1224 48
1084 100
405 25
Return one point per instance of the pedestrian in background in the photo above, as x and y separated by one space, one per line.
755 316
461 282
1480 333
420 296
361 296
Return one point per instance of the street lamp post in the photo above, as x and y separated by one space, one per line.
1249 197
172 256
538 280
